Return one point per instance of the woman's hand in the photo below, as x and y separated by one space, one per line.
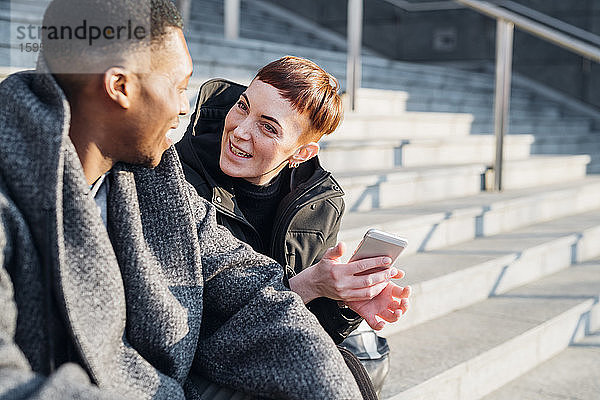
329 278
390 305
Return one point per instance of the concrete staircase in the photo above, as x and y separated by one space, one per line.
503 283
261 20
506 285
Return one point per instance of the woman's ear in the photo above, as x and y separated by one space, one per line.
117 82
305 153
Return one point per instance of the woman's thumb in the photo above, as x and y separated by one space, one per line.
333 253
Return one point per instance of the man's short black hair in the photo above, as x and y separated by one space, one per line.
79 35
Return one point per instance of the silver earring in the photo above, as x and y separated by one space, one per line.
294 164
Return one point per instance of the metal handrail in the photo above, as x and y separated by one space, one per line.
575 41
552 35
549 21
428 6
506 22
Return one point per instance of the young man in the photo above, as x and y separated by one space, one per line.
115 280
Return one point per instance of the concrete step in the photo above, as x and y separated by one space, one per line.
23 7
375 101
409 124
563 126
568 144
591 138
385 102
367 190
269 22
388 102
471 352
418 102
566 148
483 111
572 374
241 53
435 225
457 276
30 17
571 144
380 154
458 94
541 170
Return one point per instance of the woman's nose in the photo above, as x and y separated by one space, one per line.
242 131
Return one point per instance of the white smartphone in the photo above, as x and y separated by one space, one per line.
377 243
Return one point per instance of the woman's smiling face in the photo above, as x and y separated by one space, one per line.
262 131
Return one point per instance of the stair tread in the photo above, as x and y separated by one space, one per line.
480 202
432 264
429 349
403 139
451 168
429 169
572 374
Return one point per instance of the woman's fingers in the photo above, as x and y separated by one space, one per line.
394 305
401 292
389 316
362 267
399 275
404 304
364 281
374 323
366 293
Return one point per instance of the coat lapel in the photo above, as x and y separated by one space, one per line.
156 243
88 275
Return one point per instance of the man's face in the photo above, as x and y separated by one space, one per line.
158 102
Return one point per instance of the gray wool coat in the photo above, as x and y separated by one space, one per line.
140 308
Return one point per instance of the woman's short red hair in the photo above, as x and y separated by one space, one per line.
310 89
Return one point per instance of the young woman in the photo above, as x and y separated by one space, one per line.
252 152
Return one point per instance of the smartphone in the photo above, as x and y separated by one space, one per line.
378 243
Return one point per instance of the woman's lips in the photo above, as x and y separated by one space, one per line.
238 152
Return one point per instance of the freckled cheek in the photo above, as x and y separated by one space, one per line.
268 152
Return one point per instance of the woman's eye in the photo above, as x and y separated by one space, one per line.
241 105
269 128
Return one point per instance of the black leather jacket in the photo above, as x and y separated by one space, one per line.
307 220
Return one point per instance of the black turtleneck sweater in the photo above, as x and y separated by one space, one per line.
259 205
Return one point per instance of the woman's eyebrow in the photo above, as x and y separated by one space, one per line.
246 97
262 116
271 119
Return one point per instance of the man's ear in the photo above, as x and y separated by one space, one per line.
305 152
117 85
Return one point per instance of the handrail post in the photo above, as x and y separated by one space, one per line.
353 70
232 19
504 51
185 7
